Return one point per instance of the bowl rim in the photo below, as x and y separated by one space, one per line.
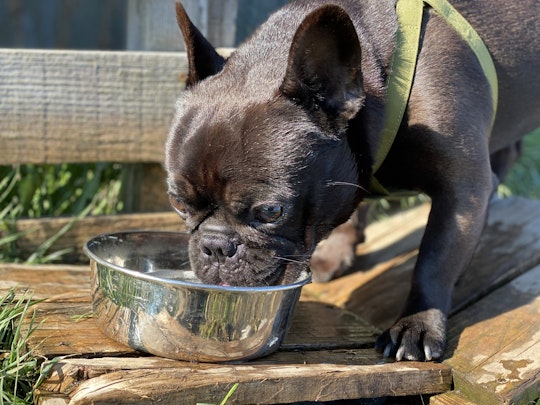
304 278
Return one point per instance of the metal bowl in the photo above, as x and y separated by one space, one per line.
146 296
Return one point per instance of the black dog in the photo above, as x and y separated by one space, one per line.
273 149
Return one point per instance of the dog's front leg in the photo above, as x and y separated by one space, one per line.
455 223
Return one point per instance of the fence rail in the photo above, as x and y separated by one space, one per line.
87 106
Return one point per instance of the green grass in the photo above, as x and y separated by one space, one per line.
34 191
524 178
20 371
226 398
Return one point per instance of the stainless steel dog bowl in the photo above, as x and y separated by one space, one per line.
146 296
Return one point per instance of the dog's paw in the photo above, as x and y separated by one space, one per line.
331 259
335 255
420 336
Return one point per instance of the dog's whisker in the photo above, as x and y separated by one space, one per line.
345 183
286 259
297 256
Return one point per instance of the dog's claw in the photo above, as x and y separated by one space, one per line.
387 351
427 353
400 352
416 337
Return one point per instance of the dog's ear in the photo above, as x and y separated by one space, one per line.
323 70
203 60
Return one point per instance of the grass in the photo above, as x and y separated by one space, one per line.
20 371
226 398
524 178
33 191
36 191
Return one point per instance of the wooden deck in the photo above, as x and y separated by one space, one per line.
494 332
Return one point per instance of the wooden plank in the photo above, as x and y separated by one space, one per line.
379 285
40 230
65 380
303 377
63 106
324 354
59 282
87 106
378 291
68 328
509 246
377 295
320 326
450 398
494 345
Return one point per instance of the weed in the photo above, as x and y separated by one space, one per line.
20 371
524 177
226 398
32 191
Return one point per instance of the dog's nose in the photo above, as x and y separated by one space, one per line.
217 246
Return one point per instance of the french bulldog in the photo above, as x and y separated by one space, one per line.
272 149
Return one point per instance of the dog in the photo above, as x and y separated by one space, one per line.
271 150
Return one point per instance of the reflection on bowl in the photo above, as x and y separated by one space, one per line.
146 296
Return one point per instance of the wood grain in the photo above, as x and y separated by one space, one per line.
261 383
61 106
315 376
68 328
58 282
323 358
37 231
494 345
450 398
87 106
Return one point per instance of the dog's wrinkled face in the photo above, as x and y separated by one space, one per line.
261 175
252 190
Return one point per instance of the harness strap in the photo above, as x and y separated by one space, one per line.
403 65
469 35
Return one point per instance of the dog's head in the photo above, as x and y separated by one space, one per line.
261 170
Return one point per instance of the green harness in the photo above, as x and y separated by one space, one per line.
409 15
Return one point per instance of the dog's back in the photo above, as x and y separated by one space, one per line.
510 30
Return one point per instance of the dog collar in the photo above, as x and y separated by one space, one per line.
403 65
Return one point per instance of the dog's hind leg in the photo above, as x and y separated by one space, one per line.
503 159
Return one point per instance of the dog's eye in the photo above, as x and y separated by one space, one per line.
179 205
268 213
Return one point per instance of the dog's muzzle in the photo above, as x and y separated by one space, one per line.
217 246
217 241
